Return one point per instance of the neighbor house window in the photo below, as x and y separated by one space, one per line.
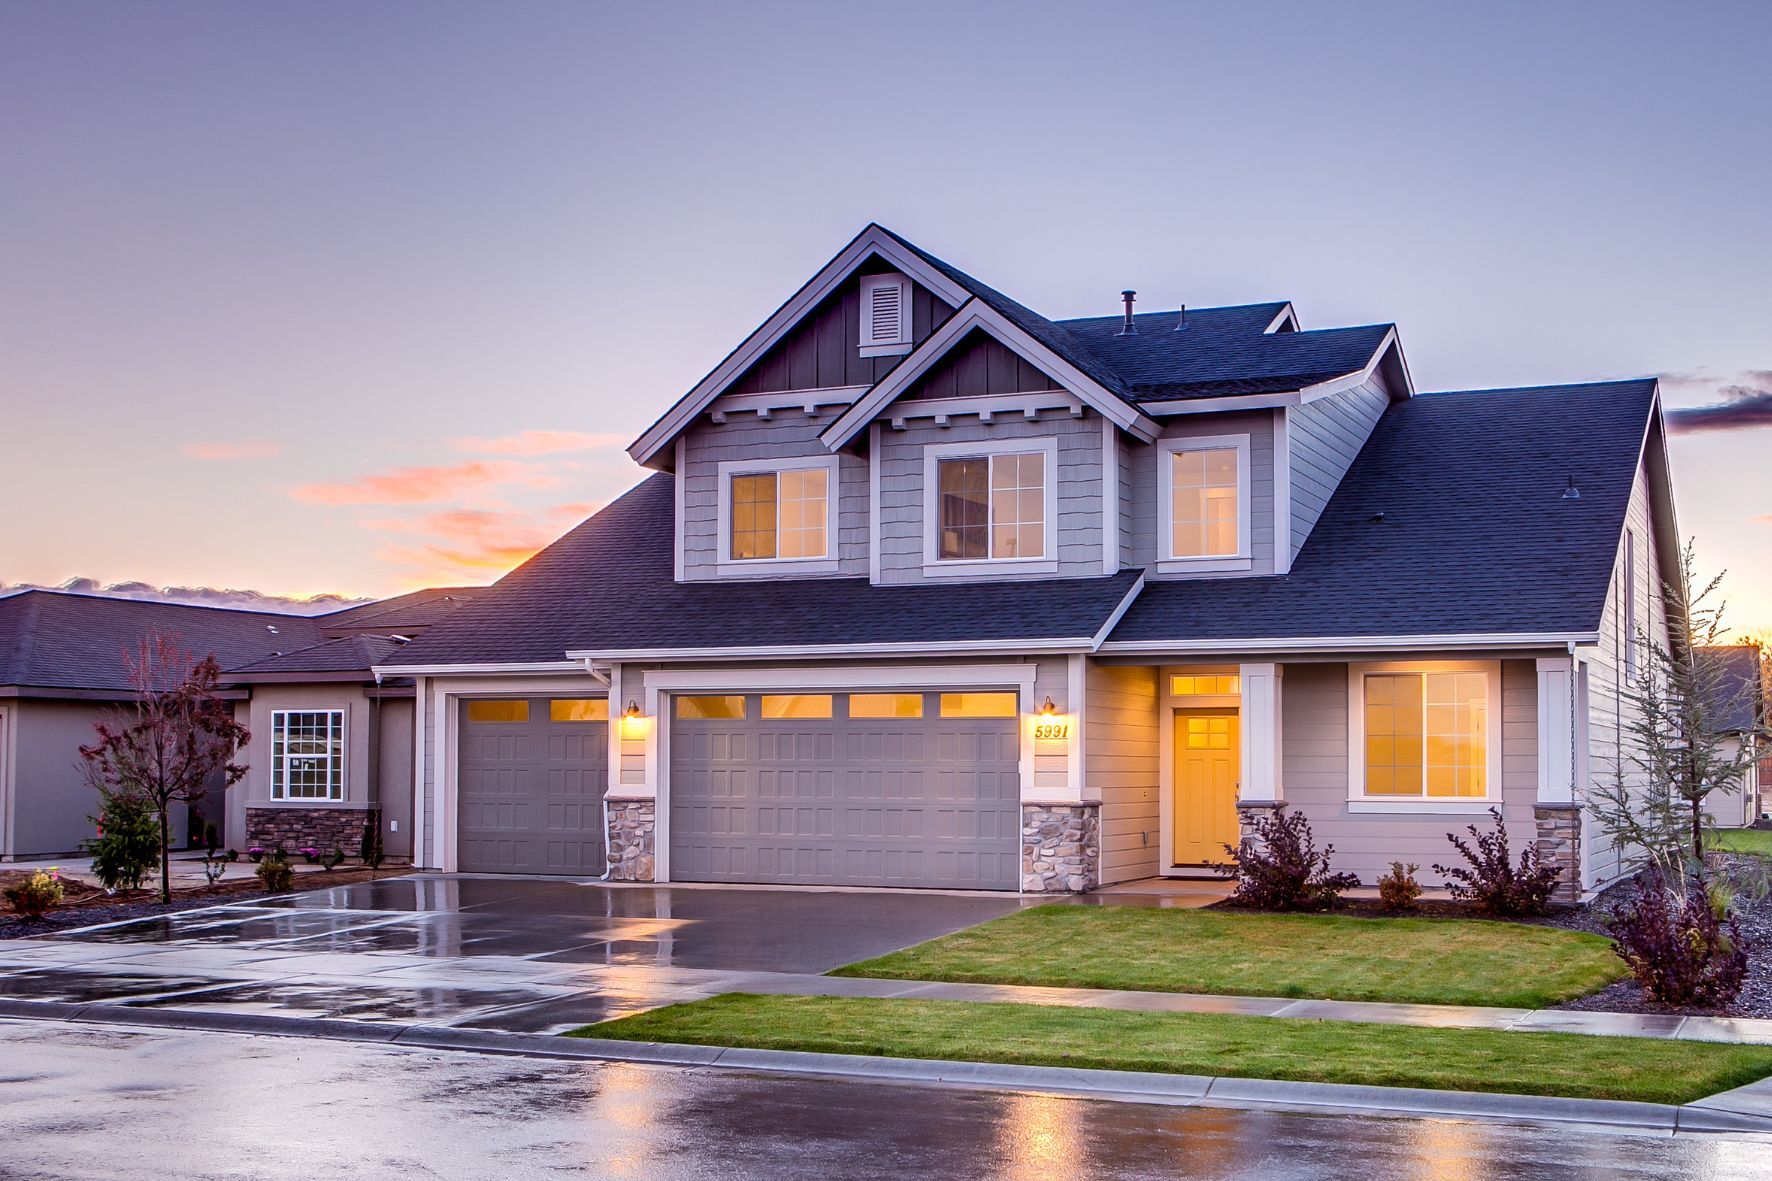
1427 735
992 506
1205 497
308 754
781 513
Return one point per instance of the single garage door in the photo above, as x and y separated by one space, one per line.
532 778
863 789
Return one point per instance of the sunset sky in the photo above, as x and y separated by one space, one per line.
352 298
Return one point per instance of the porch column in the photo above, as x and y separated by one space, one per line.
1561 732
1060 828
1259 791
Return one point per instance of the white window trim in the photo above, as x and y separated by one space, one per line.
740 567
1359 801
933 454
876 348
344 751
1167 561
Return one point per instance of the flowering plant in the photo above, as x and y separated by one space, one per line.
256 852
308 851
37 894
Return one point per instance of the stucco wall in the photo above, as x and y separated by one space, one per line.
255 788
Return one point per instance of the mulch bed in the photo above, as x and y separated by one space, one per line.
85 906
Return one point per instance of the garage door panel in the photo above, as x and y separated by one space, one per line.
530 796
889 801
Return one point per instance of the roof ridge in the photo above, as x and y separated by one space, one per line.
88 596
1528 389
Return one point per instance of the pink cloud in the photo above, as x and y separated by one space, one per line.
420 485
246 449
538 443
475 542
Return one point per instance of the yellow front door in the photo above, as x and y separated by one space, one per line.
1205 787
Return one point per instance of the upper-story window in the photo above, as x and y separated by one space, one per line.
1204 502
885 315
991 503
778 511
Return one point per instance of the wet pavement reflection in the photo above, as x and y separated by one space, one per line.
125 1104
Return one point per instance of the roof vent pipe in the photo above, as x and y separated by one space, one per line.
1181 318
1128 328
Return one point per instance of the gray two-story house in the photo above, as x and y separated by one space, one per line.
932 591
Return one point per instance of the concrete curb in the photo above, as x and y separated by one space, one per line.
1717 1113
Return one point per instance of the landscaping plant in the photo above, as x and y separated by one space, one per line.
333 859
1679 946
1282 869
213 868
275 873
309 853
38 894
127 847
1398 889
369 849
1491 880
177 738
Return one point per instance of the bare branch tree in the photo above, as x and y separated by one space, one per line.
172 742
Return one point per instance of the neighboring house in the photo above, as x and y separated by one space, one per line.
64 663
1741 710
933 591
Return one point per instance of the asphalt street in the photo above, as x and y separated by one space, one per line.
124 1104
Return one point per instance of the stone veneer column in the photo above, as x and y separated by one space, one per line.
1559 843
1060 847
632 825
1249 812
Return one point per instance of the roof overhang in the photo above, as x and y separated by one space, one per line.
1031 647
1388 356
530 667
976 315
1492 641
872 242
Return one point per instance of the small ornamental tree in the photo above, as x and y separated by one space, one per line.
168 747
1676 752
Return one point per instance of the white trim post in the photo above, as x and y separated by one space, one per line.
1259 779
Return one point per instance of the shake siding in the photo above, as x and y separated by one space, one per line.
1607 724
1121 768
1314 713
745 436
1130 510
902 493
1326 436
1142 488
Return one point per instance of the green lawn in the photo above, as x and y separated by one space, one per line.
1429 961
1743 840
1644 1069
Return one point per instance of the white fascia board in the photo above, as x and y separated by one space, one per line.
871 241
903 676
1040 647
1347 381
1286 313
975 314
1113 621
1219 405
452 670
1507 640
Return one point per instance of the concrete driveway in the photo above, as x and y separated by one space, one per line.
515 954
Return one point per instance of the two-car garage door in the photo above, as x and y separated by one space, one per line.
855 789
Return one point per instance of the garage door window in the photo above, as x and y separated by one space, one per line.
978 705
578 709
308 754
885 705
498 711
711 708
797 705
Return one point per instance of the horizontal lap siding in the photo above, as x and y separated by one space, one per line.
745 436
1315 702
901 457
1326 436
1142 487
1121 768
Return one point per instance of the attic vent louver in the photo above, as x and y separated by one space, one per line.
885 315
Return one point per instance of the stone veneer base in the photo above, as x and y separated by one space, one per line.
295 828
633 824
1060 848
1559 843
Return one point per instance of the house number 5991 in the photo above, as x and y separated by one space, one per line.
1052 729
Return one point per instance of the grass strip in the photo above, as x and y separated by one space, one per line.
1575 1065
1331 957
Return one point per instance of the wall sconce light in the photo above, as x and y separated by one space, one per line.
1047 709
632 712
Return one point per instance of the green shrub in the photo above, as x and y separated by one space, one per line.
127 847
38 894
275 872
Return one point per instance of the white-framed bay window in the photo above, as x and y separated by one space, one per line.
991 506
778 515
307 754
1203 504
1424 736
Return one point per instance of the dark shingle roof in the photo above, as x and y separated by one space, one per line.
345 655
400 615
55 640
1475 538
609 586
1739 698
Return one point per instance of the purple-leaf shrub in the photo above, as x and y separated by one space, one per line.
1491 880
1678 948
1281 868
